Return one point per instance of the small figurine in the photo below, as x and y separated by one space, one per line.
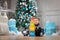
32 27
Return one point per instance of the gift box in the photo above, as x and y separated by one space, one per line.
12 25
49 28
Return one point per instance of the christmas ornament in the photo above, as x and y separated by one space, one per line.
25 32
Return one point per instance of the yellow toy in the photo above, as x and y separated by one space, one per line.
32 26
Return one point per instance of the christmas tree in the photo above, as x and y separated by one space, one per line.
25 9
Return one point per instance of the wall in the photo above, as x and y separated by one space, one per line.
50 11
13 4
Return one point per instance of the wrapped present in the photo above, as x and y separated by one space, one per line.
49 28
12 25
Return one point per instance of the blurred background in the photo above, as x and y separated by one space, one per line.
48 10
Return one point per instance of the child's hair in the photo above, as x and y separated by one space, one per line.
37 18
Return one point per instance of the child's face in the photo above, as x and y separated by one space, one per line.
36 21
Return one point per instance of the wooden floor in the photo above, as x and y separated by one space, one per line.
29 38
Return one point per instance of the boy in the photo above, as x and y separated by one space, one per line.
38 31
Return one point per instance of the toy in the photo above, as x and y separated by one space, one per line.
32 27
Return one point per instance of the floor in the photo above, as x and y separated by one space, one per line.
29 38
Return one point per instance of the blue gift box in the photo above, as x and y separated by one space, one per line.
32 33
49 28
12 25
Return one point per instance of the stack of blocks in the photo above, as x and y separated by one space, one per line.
32 28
